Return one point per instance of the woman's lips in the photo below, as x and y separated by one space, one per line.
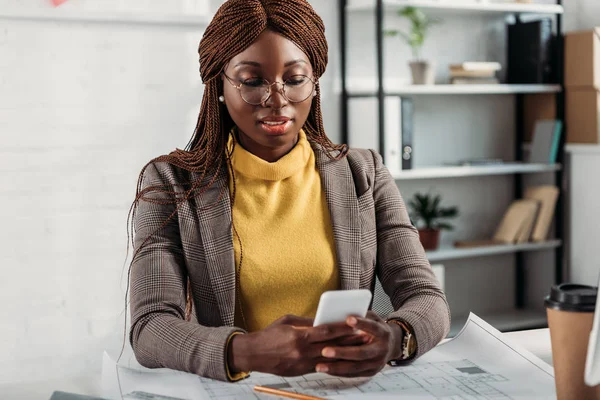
275 127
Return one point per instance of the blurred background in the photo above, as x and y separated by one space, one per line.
90 90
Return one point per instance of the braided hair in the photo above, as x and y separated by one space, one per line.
235 26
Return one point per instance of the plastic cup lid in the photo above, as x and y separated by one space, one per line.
572 297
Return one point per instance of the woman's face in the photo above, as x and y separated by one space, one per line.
268 130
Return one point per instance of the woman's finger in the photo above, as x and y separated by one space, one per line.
372 327
354 340
329 332
356 353
349 368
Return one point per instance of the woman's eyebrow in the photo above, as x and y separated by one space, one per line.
296 61
251 63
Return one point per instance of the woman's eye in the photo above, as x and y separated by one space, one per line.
252 82
296 80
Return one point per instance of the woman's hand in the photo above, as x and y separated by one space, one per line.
290 346
366 359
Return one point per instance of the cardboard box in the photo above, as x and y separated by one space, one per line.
538 106
582 59
583 115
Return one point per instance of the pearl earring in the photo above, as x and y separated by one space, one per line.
222 99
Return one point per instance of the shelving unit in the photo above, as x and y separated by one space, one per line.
380 88
457 7
368 90
59 15
452 253
466 171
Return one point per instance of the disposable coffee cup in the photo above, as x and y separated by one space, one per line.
570 310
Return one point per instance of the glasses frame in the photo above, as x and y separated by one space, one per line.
269 91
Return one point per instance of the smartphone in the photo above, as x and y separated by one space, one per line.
337 305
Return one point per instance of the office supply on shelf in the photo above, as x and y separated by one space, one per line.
531 52
537 106
406 132
582 59
285 393
481 67
547 196
362 133
592 362
479 361
545 142
517 222
471 73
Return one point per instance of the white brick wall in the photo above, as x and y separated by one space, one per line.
82 108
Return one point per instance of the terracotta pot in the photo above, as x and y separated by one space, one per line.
430 238
423 73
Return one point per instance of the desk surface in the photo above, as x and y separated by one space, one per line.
536 341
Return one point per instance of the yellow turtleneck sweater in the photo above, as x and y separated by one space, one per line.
283 221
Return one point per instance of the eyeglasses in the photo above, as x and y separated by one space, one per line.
256 91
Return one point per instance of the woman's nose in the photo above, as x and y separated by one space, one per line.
276 97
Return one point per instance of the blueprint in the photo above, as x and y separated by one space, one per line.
479 363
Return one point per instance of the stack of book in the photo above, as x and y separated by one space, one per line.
473 72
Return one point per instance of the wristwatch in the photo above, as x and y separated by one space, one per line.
409 342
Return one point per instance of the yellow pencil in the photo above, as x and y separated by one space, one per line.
283 393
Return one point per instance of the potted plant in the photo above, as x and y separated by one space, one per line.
430 218
423 72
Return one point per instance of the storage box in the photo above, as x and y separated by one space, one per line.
583 115
582 59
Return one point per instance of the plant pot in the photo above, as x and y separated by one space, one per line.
430 238
423 73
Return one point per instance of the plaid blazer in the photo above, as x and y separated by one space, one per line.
373 236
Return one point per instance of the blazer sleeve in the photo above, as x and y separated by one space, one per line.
159 334
403 269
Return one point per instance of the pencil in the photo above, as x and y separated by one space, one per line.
284 393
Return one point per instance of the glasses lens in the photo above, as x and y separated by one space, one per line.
298 88
254 91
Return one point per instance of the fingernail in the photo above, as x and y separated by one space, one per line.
327 352
322 368
352 321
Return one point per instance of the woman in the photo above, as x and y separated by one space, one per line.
237 236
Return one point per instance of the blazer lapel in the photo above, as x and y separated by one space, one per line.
214 216
340 192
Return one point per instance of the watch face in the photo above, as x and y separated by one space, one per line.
412 345
409 343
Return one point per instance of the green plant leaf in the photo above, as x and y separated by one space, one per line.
420 24
444 226
449 212
426 208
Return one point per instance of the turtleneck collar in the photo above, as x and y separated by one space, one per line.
248 164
